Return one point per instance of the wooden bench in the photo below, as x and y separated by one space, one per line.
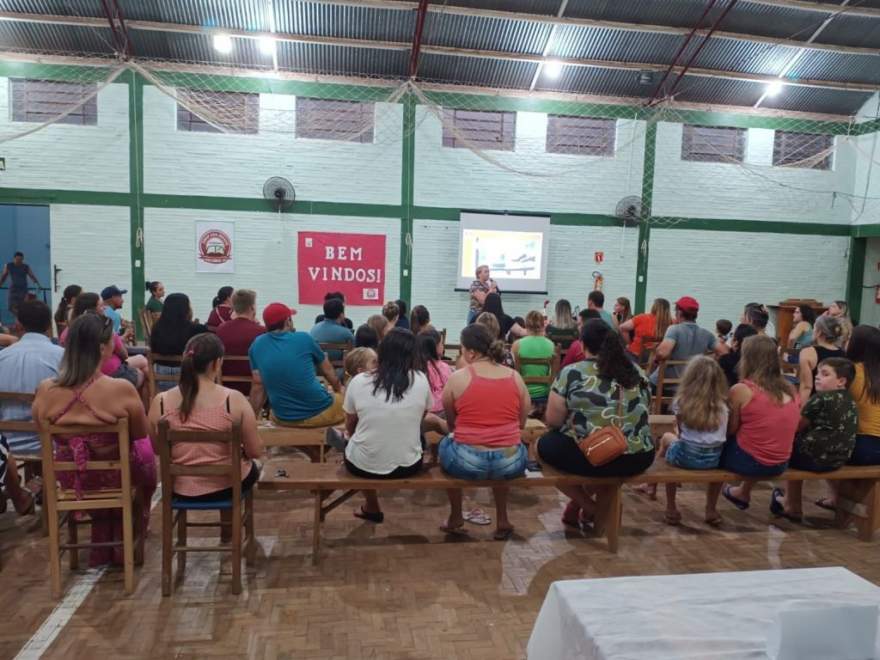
310 440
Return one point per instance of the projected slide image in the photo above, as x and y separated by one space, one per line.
509 254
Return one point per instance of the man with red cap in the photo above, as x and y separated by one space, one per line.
283 361
685 338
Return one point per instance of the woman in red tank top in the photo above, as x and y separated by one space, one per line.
486 405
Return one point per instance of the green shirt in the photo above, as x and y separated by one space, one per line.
154 305
831 437
592 401
535 348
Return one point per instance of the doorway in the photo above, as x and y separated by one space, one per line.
25 229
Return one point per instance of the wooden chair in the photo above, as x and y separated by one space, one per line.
649 345
451 353
443 335
64 501
551 364
146 317
174 510
152 359
30 462
342 348
226 379
666 385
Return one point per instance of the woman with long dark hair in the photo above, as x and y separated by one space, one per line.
383 416
508 325
864 351
221 308
419 319
65 306
170 334
589 395
198 403
81 397
486 406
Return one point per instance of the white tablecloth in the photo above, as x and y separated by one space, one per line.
707 616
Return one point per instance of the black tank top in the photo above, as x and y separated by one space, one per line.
821 354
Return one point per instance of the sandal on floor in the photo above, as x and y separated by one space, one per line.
478 517
503 534
714 521
777 508
825 503
458 530
742 505
369 516
672 517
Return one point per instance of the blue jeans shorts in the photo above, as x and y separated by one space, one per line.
693 457
464 462
734 459
165 370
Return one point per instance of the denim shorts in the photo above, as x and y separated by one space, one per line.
464 462
866 451
693 457
735 459
166 370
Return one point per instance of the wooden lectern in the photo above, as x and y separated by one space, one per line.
785 315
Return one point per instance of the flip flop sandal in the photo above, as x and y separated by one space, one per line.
823 503
714 521
478 517
371 517
742 505
454 531
777 508
503 534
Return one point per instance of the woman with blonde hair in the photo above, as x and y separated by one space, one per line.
643 327
764 416
490 321
563 330
701 414
827 333
381 323
839 310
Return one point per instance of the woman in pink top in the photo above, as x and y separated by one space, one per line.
198 403
486 407
431 348
764 416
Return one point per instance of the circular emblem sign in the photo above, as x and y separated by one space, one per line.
215 247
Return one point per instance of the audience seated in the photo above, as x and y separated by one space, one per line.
589 395
391 312
563 329
154 303
509 328
198 403
730 361
419 319
402 318
366 336
840 311
65 306
490 321
332 329
170 334
238 334
10 485
383 417
24 366
596 302
801 334
111 296
486 405
722 330
826 433
534 346
221 308
622 313
864 352
380 325
764 327
686 339
575 352
81 396
701 414
339 296
360 360
649 325
764 415
283 361
826 344
430 346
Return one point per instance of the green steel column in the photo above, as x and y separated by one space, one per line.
407 188
855 273
136 189
645 220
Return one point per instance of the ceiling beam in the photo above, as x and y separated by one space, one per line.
821 7
94 22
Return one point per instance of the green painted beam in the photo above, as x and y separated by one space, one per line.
61 72
407 196
644 241
751 226
855 273
866 231
260 205
55 196
136 184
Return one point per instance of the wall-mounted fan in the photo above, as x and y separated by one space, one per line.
280 192
629 211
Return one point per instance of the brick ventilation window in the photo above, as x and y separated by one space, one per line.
586 136
43 100
326 119
483 129
802 150
236 112
713 144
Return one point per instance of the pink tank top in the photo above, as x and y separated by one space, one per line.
487 413
767 429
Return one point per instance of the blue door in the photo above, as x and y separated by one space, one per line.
25 229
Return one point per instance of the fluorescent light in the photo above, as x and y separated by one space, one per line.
267 45
552 68
774 88
223 43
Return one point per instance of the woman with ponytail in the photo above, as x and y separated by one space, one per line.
62 314
221 308
585 398
198 403
486 406
154 302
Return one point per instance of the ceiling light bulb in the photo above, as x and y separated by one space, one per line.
267 45
223 43
774 88
552 68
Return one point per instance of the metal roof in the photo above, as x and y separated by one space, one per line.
497 43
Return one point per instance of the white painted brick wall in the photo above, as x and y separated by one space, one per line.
190 163
726 270
67 157
91 245
459 178
755 191
435 253
870 309
265 249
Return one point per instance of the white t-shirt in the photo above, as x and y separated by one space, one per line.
388 433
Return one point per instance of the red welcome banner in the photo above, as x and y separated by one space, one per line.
351 263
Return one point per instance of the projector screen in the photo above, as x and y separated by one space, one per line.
515 248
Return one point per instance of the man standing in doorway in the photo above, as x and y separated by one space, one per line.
17 271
